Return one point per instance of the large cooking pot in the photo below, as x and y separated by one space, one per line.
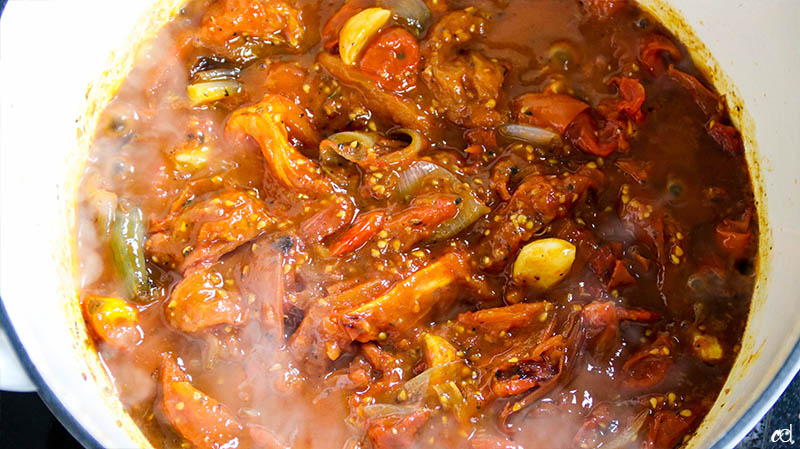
50 51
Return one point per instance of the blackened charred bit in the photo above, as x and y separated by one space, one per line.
283 243
292 319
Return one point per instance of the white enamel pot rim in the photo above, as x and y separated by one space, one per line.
51 49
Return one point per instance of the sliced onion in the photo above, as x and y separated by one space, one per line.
417 386
347 137
414 14
359 147
529 134
380 410
418 143
450 391
469 211
249 412
216 74
351 145
421 386
208 91
412 177
451 397
418 389
353 443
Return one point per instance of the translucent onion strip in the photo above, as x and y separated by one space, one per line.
418 143
469 210
216 74
361 147
413 14
351 145
209 91
529 134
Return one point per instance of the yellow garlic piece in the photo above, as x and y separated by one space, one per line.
359 30
544 263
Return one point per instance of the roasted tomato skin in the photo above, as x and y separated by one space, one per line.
393 60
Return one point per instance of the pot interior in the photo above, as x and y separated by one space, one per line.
753 74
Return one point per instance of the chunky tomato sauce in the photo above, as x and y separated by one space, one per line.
413 224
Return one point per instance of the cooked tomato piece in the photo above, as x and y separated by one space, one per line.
652 50
647 223
114 321
602 261
583 131
326 222
330 32
601 323
265 123
602 135
726 137
649 366
202 300
734 235
554 111
620 277
481 136
413 298
203 230
638 170
263 281
394 432
558 351
273 21
706 99
667 428
466 83
502 173
518 376
499 319
630 101
419 221
362 230
202 420
391 367
320 337
393 60
401 110
539 200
